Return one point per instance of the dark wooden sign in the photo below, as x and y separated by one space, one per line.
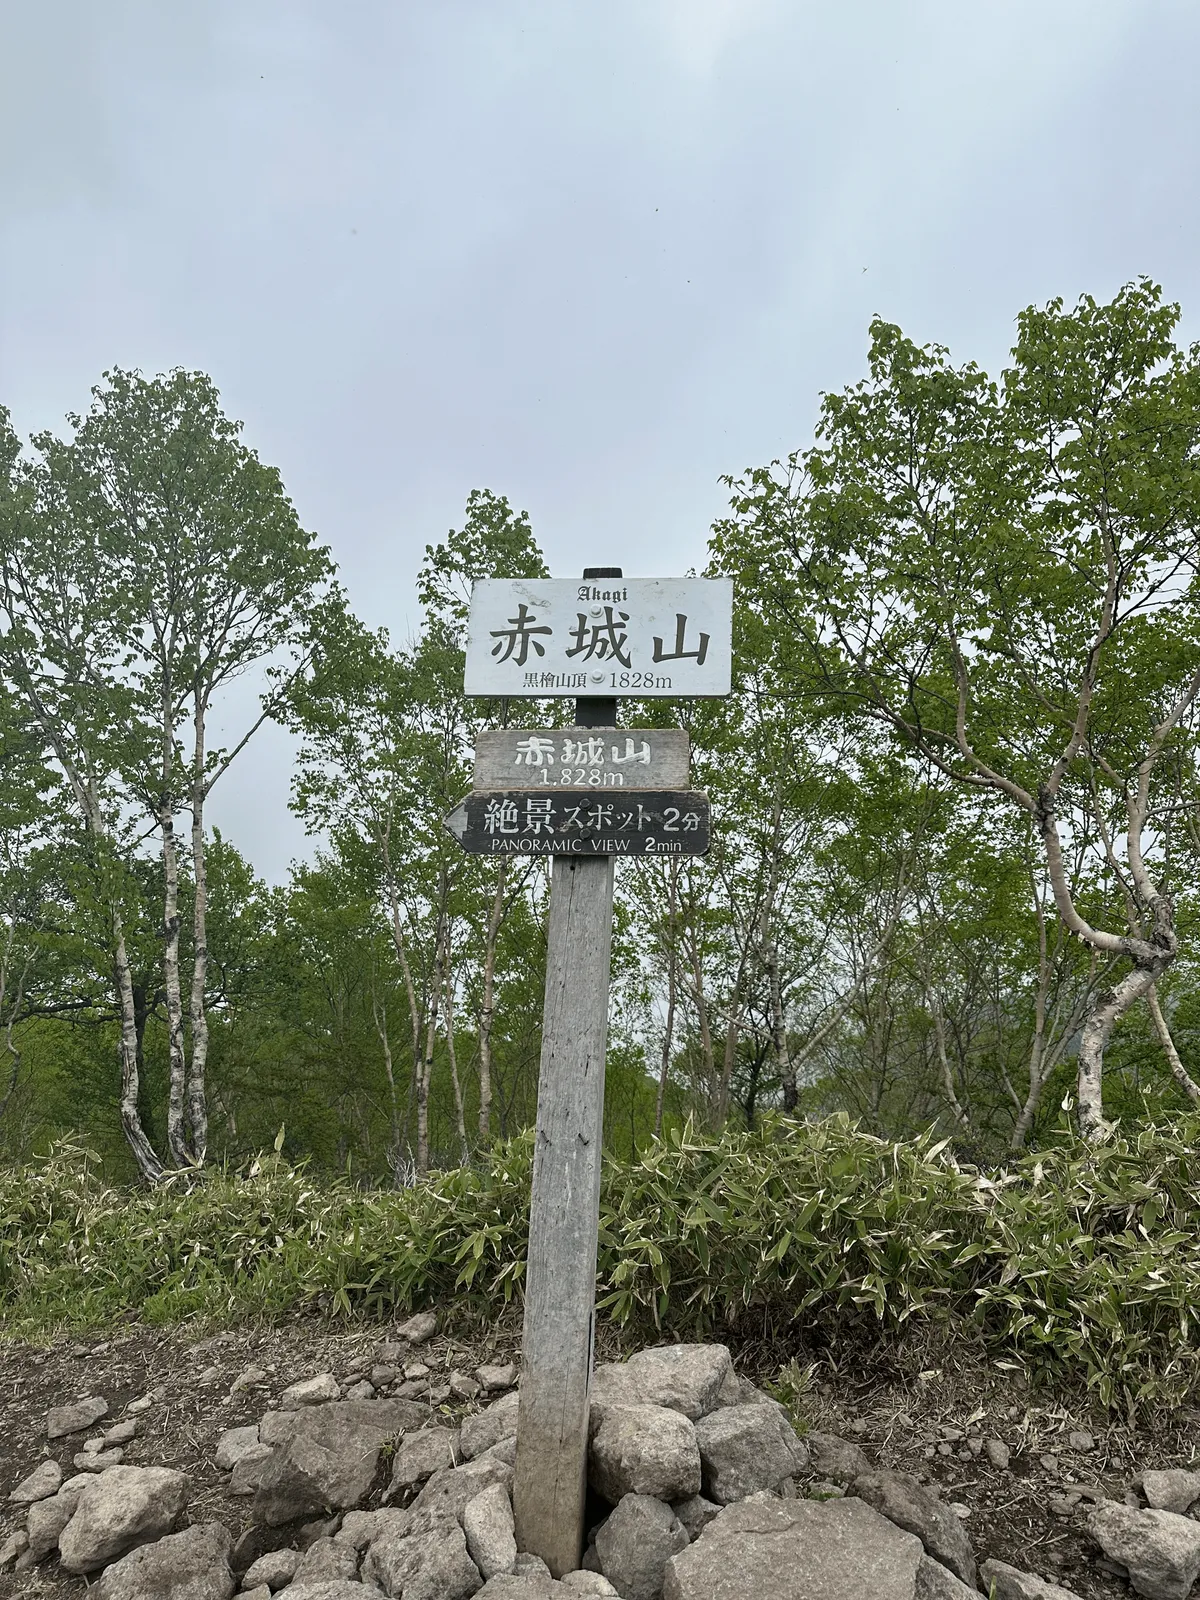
537 822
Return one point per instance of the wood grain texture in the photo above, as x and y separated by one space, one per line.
560 1290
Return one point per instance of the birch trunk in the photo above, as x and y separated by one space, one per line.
732 1029
414 1011
703 1022
669 1029
176 1094
1109 1007
426 1073
379 1014
487 1010
769 954
13 1012
1037 1053
460 1121
1178 1071
939 1033
148 1164
197 1100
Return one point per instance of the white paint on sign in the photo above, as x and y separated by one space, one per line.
645 638
582 758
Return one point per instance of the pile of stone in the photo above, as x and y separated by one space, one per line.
703 1491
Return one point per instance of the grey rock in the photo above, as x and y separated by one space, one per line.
745 1448
304 1477
360 1527
997 1453
636 1542
329 1458
1008 1583
48 1518
362 1390
259 1592
122 1432
679 1377
936 1582
529 1565
326 1559
246 1477
736 1391
696 1514
835 1458
447 1492
422 1454
15 1545
1173 1490
419 1329
506 1450
522 1586
381 1375
496 1375
487 1521
580 1582
122 1508
430 1565
76 1417
487 1427
379 1420
276 1568
319 1528
98 1460
310 1392
336 1589
1081 1441
796 1550
643 1449
192 1565
233 1444
1160 1548
910 1505
45 1480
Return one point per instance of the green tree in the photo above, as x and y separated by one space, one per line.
1004 576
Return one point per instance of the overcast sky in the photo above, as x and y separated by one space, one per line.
589 255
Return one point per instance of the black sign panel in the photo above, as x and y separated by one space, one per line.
630 822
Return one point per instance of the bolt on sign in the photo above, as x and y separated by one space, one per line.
642 637
582 758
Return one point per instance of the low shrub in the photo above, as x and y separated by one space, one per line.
1079 1263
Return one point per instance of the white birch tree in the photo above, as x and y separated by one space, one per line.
1005 577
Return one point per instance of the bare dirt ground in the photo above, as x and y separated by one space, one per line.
922 1411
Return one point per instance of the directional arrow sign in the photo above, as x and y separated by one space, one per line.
537 822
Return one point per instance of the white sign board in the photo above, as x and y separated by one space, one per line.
646 638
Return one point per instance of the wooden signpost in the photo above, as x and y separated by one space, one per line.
583 795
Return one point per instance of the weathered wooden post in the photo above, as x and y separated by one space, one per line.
600 795
564 1208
